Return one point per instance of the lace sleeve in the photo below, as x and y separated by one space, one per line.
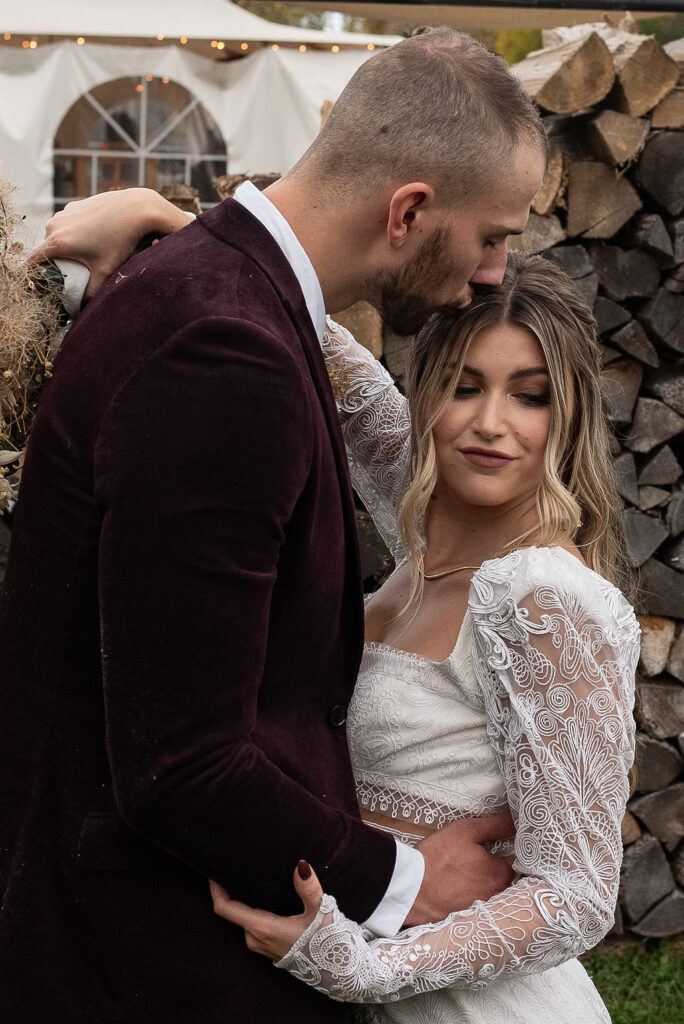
376 427
556 670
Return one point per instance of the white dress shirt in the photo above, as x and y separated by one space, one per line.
409 868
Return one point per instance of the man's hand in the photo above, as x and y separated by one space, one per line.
102 232
458 870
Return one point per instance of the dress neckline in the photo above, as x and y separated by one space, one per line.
381 646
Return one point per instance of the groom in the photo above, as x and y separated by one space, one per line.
181 617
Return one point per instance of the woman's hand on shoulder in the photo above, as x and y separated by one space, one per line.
101 232
269 934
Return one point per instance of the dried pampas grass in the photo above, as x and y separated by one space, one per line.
30 326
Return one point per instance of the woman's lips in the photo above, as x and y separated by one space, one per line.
486 459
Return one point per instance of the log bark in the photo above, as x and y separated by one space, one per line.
644 72
365 324
540 234
624 274
568 77
599 202
663 318
617 138
675 51
670 112
551 189
661 170
650 234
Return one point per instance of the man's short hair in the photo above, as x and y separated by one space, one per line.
437 107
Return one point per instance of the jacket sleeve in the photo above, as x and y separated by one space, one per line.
195 491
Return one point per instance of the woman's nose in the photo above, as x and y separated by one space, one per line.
489 421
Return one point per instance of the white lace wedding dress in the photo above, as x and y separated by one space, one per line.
531 710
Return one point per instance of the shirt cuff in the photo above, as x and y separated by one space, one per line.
76 277
407 878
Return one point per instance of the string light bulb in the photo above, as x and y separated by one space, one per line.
244 46
80 40
275 46
335 48
165 79
8 35
183 40
214 44
302 48
33 44
139 87
221 45
370 46
25 44
149 78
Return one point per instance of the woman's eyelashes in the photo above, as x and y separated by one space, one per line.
534 398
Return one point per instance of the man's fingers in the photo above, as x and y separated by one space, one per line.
496 826
308 888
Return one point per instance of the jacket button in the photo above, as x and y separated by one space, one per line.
337 715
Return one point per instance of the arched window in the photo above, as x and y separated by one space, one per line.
137 131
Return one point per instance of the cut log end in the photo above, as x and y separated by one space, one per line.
568 77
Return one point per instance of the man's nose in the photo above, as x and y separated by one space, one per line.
490 269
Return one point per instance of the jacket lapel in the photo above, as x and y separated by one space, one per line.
235 225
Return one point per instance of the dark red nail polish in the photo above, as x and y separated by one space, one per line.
304 870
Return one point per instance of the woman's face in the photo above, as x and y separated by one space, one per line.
490 442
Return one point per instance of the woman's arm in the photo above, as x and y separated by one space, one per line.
376 427
556 672
101 232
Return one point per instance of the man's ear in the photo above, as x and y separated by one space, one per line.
406 208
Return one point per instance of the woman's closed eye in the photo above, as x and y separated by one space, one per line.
536 398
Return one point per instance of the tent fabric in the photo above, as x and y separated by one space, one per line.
267 105
194 19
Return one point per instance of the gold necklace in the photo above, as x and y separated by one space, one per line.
448 572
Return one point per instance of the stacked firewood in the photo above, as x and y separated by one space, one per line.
611 213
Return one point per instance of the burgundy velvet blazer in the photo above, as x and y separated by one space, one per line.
181 627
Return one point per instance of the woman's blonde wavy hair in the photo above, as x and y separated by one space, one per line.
576 499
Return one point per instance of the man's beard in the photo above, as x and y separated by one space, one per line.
404 304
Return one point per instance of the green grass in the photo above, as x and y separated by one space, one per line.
641 984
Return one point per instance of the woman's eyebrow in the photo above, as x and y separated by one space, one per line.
531 371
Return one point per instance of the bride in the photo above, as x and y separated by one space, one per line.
499 660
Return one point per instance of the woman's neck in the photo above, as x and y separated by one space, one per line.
469 535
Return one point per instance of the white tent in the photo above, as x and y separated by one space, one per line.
198 22
79 115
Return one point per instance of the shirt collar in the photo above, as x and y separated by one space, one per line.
249 196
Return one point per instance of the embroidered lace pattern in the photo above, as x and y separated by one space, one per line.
555 654
375 424
533 707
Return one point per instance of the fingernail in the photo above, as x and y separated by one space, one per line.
304 870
